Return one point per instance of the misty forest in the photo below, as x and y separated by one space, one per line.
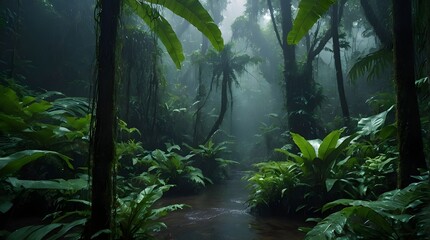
214 119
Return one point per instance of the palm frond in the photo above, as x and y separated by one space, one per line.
372 64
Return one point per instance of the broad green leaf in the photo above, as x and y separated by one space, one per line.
305 147
9 103
329 183
196 14
370 125
310 11
66 228
12 163
330 227
10 123
37 107
6 203
23 233
42 232
342 144
328 144
56 184
161 28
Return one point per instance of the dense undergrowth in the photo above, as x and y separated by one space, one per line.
44 149
345 184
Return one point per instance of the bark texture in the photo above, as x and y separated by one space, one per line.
103 143
337 62
408 119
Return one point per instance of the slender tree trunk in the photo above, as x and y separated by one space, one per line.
103 144
408 119
223 110
200 94
337 62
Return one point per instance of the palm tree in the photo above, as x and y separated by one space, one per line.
226 67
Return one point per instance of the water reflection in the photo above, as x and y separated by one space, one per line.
220 214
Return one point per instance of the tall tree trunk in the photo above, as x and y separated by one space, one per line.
337 62
290 66
103 144
408 120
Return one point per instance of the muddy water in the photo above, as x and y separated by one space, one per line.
220 213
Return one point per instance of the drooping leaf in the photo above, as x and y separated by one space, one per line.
44 231
12 163
66 228
196 14
373 64
370 125
330 227
161 28
310 11
56 184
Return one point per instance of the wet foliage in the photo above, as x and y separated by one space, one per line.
296 94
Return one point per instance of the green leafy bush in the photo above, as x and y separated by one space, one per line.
208 158
301 181
174 169
397 214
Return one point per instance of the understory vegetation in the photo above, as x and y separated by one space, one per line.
112 110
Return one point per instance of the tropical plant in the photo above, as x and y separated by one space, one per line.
174 168
271 186
192 11
137 216
397 214
311 175
228 66
208 158
34 122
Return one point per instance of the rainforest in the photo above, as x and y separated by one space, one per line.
214 119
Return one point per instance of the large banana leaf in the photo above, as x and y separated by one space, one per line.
310 11
161 27
190 10
196 14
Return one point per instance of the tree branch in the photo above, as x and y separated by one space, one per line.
272 16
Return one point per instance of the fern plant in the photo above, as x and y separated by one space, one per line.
174 169
397 214
137 218
207 157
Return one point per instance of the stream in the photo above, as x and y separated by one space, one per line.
220 213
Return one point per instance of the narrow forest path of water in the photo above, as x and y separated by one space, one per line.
220 213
